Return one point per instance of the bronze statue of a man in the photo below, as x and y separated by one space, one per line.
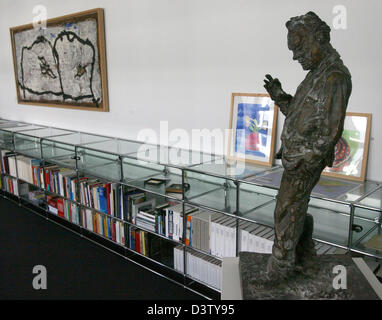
314 120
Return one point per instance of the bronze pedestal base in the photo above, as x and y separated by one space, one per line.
318 286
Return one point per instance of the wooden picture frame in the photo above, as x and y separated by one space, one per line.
352 149
64 64
252 124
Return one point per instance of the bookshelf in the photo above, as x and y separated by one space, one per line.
113 192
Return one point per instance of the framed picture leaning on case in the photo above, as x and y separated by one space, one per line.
352 149
253 122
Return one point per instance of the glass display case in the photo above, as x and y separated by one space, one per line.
62 149
7 133
6 124
249 192
366 236
103 159
228 204
213 185
330 204
158 169
28 142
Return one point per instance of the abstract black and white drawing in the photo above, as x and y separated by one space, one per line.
64 64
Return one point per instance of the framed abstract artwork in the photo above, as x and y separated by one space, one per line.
253 123
63 64
351 151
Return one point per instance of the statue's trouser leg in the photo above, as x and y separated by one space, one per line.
293 227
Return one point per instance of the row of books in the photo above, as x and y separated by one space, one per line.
57 180
64 208
256 238
199 266
152 246
165 219
24 165
211 232
93 193
139 241
215 233
8 163
103 225
10 185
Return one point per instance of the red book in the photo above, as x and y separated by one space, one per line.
64 184
137 241
60 207
47 180
33 179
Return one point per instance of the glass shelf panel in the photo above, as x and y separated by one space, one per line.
159 189
262 214
115 146
99 164
62 149
329 193
252 197
9 124
370 207
171 156
28 142
134 169
214 193
361 189
45 132
329 226
372 201
371 242
230 168
326 188
22 128
158 162
6 135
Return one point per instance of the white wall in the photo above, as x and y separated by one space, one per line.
180 60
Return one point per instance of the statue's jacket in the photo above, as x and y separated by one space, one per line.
315 116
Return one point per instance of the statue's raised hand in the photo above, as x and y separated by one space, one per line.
273 86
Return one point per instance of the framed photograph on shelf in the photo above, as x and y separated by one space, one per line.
62 63
253 123
352 149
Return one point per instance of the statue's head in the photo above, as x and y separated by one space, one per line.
308 39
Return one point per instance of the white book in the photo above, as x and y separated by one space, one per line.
243 236
53 209
122 233
227 238
220 235
251 244
177 258
12 166
117 231
89 219
231 250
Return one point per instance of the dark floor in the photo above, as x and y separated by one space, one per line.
76 267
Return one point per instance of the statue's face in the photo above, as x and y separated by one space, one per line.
305 49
